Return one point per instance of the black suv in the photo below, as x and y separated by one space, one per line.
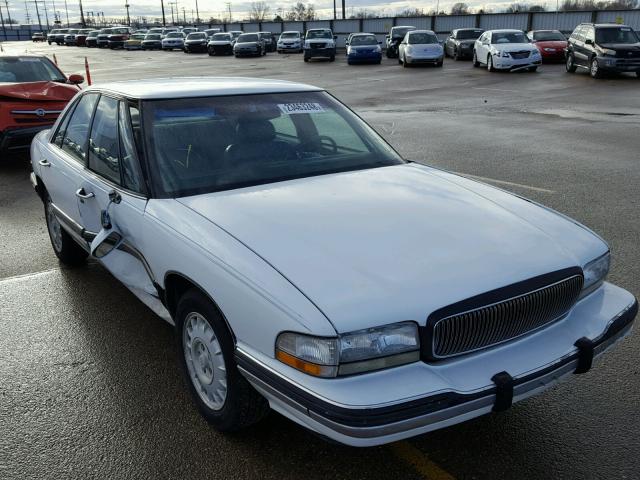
602 48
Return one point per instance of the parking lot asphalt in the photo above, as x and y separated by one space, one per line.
89 383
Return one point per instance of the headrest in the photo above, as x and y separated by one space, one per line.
255 130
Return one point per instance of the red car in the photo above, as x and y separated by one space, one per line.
33 92
550 43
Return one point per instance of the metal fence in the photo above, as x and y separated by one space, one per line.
441 24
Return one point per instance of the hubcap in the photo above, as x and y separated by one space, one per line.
569 62
55 231
594 68
205 362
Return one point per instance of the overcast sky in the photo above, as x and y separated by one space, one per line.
217 8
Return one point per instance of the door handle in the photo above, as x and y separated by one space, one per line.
80 193
44 162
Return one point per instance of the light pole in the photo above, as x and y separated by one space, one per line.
126 5
164 20
197 13
66 11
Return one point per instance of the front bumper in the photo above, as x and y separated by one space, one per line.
200 47
20 138
246 53
534 363
320 52
619 65
221 49
365 58
557 56
509 63
115 43
432 60
102 43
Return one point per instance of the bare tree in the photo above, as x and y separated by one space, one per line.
259 11
459 8
301 12
411 12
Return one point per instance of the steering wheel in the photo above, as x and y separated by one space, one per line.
318 141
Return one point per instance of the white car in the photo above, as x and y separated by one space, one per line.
307 267
173 40
420 46
506 50
289 41
319 42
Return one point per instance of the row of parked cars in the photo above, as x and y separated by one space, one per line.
597 48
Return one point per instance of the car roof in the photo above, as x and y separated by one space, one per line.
189 87
468 29
420 31
506 30
21 55
605 25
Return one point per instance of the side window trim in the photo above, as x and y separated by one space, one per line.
93 116
67 115
125 106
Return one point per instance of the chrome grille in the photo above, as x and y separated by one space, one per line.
496 323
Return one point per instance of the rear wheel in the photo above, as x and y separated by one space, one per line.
490 64
570 64
455 55
205 346
65 248
638 74
476 63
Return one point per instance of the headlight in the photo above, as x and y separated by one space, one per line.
535 53
606 51
594 273
378 49
408 49
350 353
504 54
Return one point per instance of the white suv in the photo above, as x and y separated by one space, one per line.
320 42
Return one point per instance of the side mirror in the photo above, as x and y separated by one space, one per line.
588 41
76 79
105 243
335 37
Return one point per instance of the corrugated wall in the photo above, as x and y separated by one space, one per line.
319 24
421 23
233 26
377 25
446 23
250 27
563 21
506 20
273 27
630 18
346 26
297 26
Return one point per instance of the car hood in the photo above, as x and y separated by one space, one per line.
635 47
220 42
40 91
513 47
466 42
552 44
395 243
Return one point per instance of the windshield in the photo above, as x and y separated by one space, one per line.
138 36
551 36
155 30
248 37
71 32
616 35
290 35
197 36
29 69
468 34
222 37
153 36
318 34
105 31
95 33
363 40
508 37
422 38
202 145
174 35
400 32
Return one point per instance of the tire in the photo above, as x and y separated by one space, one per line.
490 64
332 58
594 69
455 56
439 64
405 64
211 54
570 64
532 69
66 249
638 74
476 63
306 59
206 354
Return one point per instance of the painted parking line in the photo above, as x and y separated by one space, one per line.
495 89
419 461
504 182
28 275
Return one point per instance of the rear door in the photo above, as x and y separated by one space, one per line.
62 163
579 51
113 194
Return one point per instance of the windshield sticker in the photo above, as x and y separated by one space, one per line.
293 108
625 29
29 59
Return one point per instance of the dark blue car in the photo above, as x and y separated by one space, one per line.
363 48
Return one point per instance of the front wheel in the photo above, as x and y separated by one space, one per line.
332 58
65 248
205 346
476 63
595 69
405 64
570 64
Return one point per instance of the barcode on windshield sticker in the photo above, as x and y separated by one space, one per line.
292 108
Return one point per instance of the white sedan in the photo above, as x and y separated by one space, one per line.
307 267
173 40
420 46
506 50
